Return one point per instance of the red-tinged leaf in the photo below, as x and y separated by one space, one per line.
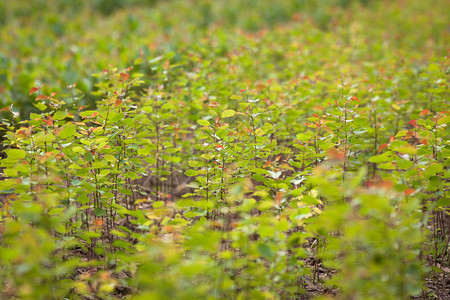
48 121
424 112
118 102
268 163
124 76
382 147
98 222
279 197
335 154
354 98
219 146
166 65
385 184
53 94
269 82
409 191
260 87
41 97
241 91
413 123
22 133
424 142
34 89
5 108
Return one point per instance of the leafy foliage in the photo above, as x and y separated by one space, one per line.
237 161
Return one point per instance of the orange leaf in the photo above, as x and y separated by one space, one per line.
260 87
98 222
53 94
424 112
33 89
382 147
354 99
335 154
279 197
166 65
409 191
41 97
413 123
118 102
49 121
124 76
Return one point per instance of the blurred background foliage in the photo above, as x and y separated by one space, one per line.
59 43
197 52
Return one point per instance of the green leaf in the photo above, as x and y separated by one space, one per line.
87 113
385 157
387 166
67 131
433 169
305 136
78 149
228 113
59 115
99 212
443 202
45 138
40 106
259 177
110 158
194 164
444 120
115 117
191 173
15 154
122 244
434 68
236 97
265 251
203 122
406 149
88 156
99 164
